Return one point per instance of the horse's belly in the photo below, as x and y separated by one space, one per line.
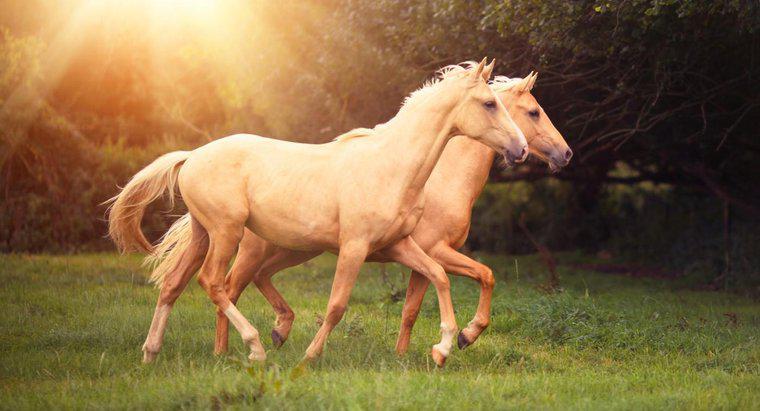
298 226
295 235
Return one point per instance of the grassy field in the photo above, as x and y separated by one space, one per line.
72 327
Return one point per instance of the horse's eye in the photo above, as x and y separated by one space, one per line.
533 113
490 104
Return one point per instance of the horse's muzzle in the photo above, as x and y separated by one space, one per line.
513 158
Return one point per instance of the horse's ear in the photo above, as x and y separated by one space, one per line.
533 81
525 84
479 70
488 70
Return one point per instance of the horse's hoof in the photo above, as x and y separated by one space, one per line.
259 356
402 346
149 357
277 339
438 357
462 341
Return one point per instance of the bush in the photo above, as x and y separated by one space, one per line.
644 224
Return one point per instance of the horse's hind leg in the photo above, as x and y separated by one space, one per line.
252 252
258 265
224 241
415 293
280 260
174 283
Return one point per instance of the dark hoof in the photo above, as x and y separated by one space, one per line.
462 341
277 339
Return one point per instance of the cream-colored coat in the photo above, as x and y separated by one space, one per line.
354 197
450 192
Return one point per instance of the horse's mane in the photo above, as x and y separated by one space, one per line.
451 71
504 83
498 84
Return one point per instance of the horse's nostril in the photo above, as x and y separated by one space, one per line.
568 154
522 152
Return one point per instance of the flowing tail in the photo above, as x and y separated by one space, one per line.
128 207
170 249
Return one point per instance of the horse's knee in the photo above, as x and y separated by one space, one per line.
335 313
439 278
486 277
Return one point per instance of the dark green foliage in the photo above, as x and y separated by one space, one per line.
653 91
644 225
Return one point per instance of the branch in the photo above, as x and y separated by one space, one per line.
552 283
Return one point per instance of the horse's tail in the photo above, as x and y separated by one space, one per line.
169 250
127 208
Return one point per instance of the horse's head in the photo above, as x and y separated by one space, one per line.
543 138
483 117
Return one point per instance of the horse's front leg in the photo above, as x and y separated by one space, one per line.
407 252
457 263
350 259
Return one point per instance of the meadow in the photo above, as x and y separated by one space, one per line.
72 327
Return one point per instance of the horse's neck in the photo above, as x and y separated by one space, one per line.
463 168
414 142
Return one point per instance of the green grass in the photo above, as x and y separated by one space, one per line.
72 327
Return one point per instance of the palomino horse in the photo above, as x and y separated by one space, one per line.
453 187
354 197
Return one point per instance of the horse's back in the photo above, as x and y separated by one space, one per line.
280 186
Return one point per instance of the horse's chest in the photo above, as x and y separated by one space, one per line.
410 219
401 223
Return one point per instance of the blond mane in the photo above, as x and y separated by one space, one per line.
504 83
430 85
444 73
